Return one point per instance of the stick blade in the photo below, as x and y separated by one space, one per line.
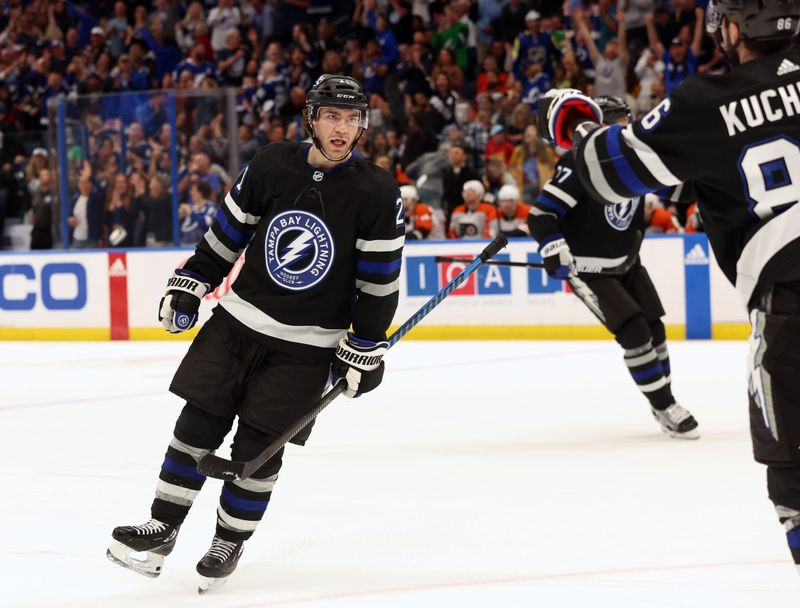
212 465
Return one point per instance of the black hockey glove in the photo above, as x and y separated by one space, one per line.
561 110
178 308
360 363
557 258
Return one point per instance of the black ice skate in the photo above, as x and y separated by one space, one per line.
677 422
154 538
218 563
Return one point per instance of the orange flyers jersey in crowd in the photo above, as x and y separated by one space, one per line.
478 224
663 222
420 222
520 217
693 219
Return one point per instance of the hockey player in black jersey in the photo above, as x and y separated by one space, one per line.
576 234
323 233
737 138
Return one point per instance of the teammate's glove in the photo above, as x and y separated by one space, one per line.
561 110
178 309
360 363
557 258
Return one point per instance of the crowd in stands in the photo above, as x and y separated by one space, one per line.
453 92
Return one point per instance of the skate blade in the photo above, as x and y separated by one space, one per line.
209 584
124 556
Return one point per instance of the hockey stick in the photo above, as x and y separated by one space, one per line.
220 468
587 296
442 258
612 271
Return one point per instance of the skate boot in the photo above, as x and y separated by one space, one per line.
677 422
154 538
218 563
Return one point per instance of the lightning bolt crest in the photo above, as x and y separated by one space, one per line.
296 249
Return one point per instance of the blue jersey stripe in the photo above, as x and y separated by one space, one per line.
184 470
379 267
242 503
238 237
621 165
545 201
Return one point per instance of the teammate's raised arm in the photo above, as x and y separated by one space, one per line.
735 136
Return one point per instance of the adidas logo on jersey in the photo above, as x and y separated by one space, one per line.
787 67
696 256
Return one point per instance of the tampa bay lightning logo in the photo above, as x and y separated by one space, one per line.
620 215
299 250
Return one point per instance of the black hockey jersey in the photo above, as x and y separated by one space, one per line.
737 137
599 236
323 248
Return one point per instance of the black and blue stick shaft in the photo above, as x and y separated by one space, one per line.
214 466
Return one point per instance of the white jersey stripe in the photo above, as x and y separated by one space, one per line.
592 163
380 245
259 321
222 250
560 194
241 216
535 211
769 240
649 158
374 289
590 264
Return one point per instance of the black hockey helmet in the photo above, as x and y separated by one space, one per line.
757 19
613 108
336 91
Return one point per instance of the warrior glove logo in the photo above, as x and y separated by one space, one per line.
620 215
299 250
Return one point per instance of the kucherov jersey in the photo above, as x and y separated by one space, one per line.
323 248
737 137
599 236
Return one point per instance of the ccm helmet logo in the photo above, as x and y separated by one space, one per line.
20 287
346 96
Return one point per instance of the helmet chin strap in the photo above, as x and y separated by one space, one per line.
318 144
729 52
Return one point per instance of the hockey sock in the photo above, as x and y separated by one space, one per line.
648 374
196 434
242 503
790 519
783 483
643 363
660 344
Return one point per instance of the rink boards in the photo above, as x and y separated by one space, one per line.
103 295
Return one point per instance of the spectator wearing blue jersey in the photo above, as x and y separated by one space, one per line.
387 42
534 46
680 60
197 215
195 64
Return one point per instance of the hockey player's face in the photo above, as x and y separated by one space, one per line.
336 128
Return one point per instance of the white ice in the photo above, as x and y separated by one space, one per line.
481 474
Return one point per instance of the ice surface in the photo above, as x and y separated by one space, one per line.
481 474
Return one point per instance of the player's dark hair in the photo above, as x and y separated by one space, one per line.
763 48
